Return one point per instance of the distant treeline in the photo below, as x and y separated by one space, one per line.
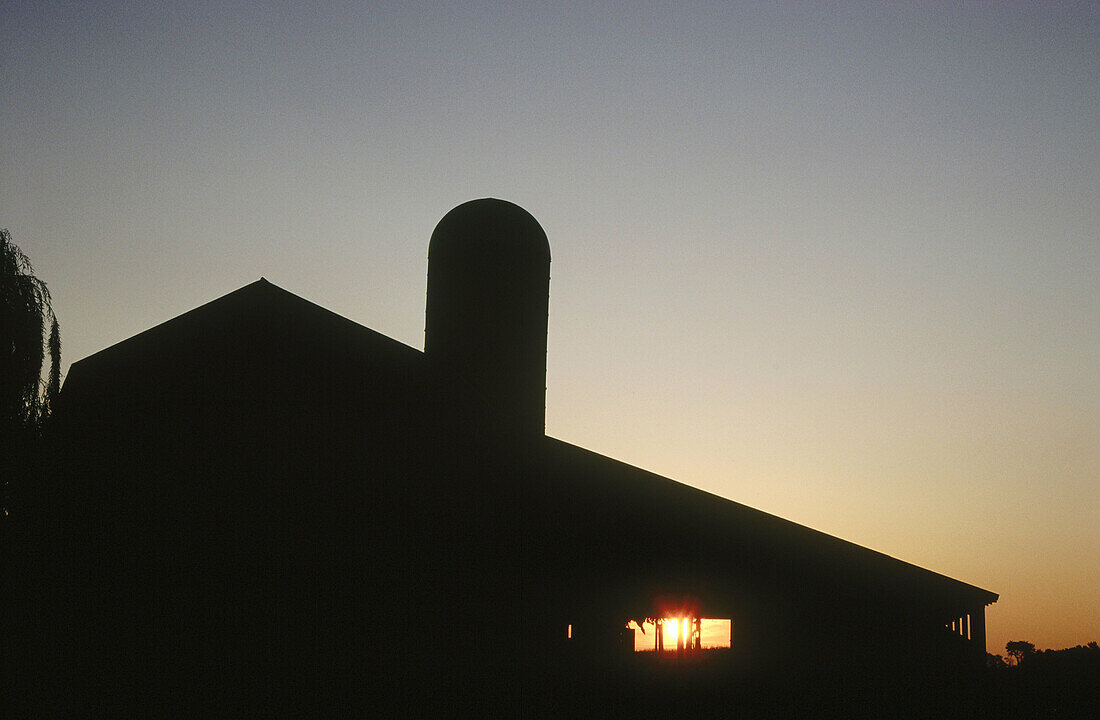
1026 682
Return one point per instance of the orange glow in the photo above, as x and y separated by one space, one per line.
715 633
672 631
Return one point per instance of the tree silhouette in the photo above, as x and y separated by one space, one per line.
25 400
1019 650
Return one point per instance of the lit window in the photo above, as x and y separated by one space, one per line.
711 633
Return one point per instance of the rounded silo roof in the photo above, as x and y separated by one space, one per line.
489 231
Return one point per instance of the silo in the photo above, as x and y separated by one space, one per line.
488 297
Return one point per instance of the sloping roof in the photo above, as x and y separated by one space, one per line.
732 530
232 336
259 306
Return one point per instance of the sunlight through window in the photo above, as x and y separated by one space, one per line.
714 633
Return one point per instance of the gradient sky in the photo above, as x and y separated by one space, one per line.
840 262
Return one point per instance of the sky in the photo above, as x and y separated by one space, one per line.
836 261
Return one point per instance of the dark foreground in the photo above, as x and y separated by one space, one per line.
637 686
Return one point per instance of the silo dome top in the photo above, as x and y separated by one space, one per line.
489 232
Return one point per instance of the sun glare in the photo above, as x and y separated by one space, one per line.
714 633
671 630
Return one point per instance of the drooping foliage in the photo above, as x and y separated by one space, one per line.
26 401
25 309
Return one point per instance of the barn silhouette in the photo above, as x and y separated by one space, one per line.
261 507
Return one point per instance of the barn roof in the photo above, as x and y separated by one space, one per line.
236 335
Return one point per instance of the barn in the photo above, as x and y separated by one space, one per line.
261 507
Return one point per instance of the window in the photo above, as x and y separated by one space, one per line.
686 633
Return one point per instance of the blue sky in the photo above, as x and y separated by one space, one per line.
838 261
